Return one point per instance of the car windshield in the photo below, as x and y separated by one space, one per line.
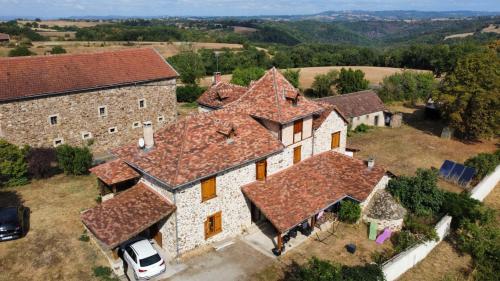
8 215
150 260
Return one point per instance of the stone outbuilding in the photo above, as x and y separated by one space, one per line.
384 210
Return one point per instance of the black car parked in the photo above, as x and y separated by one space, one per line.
14 222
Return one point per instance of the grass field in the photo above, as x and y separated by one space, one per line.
166 49
51 250
373 74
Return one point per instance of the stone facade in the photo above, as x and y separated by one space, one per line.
28 121
368 119
323 135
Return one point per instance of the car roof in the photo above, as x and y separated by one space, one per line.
143 249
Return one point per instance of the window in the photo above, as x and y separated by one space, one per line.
297 151
57 142
142 103
54 119
367 116
161 119
261 168
136 125
375 121
131 253
335 140
297 127
103 111
112 130
213 225
208 189
86 135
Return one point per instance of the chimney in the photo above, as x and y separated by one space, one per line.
370 162
148 135
217 77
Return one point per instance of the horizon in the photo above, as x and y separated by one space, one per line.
55 9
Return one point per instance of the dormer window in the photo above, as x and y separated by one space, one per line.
221 96
227 130
292 97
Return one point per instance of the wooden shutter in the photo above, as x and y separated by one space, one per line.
208 189
335 140
297 127
218 222
213 225
297 154
261 167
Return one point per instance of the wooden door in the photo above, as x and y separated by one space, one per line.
335 140
297 152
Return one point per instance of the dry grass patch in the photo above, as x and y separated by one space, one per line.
51 250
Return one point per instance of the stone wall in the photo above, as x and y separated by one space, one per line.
368 119
380 185
323 135
27 121
393 225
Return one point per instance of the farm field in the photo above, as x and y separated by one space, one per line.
372 73
51 250
166 49
63 23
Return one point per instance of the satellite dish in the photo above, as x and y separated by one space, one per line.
141 143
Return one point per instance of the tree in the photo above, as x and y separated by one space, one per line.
13 167
350 211
407 86
470 96
322 85
484 163
189 65
243 76
292 76
20 52
58 50
351 81
74 160
419 194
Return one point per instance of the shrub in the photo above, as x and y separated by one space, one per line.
74 160
189 93
350 211
463 208
40 162
84 236
419 194
362 128
20 52
423 230
484 163
404 240
13 167
58 50
103 273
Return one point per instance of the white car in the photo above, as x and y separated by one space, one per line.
143 259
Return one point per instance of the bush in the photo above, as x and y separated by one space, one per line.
350 211
404 240
74 160
362 128
20 52
463 208
422 229
419 194
58 50
484 163
13 167
41 162
189 93
103 273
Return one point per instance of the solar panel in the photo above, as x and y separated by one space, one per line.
467 176
446 168
457 172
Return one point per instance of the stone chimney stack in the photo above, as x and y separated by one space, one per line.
149 141
370 162
217 77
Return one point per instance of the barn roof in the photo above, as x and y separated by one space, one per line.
356 104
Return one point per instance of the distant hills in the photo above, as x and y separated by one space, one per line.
355 15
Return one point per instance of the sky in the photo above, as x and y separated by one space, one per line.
67 8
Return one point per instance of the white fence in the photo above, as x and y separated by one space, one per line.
484 188
402 262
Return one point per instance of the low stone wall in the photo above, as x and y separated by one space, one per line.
484 188
399 264
393 225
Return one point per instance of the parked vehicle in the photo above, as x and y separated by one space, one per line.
143 259
14 222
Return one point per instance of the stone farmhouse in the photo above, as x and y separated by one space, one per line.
271 156
101 99
364 107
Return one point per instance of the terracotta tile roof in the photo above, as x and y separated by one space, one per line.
114 172
24 77
221 94
270 98
356 104
299 192
201 145
4 36
328 108
126 215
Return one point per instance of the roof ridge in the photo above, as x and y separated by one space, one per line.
181 152
248 90
275 86
78 54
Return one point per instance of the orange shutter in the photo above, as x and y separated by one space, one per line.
335 140
297 154
218 222
208 189
207 232
261 169
297 127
